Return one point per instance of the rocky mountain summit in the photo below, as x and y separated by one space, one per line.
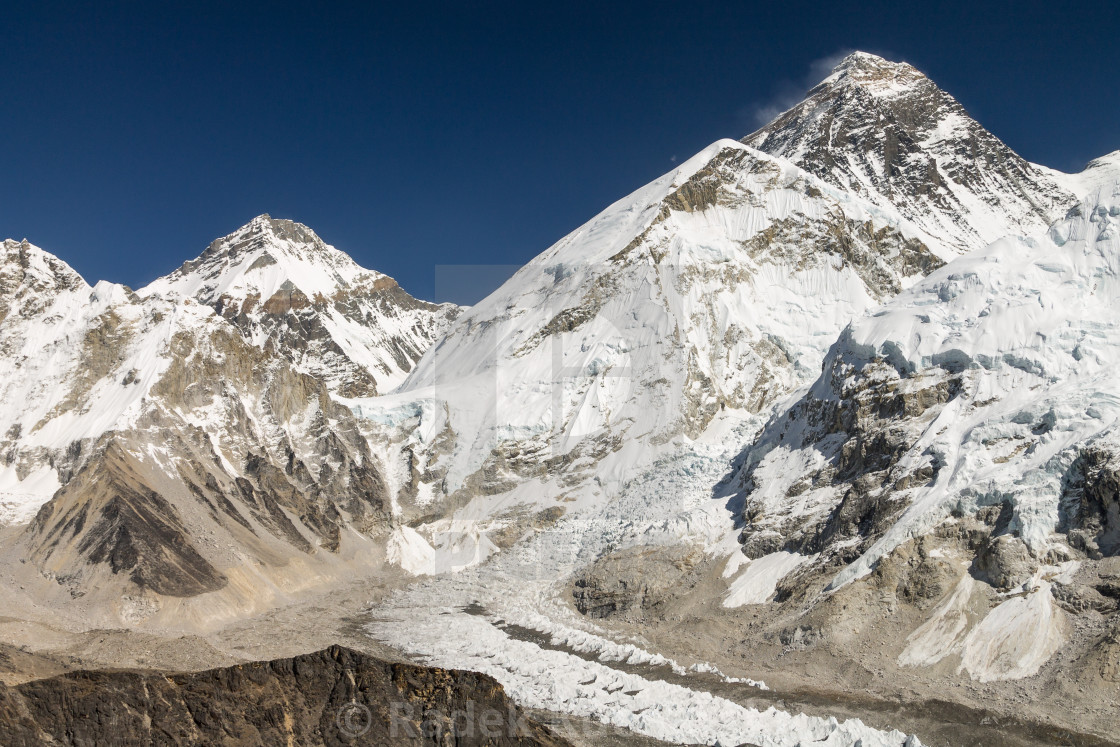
886 132
288 291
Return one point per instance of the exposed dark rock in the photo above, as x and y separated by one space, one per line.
877 126
109 515
861 418
1004 561
1079 598
332 697
800 637
1091 506
914 574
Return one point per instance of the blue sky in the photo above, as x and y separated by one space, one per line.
132 134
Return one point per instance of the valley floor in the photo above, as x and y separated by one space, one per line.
684 671
967 717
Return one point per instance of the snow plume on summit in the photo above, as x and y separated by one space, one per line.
886 132
790 93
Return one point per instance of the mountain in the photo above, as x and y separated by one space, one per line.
717 287
713 290
158 448
596 438
288 291
884 131
831 404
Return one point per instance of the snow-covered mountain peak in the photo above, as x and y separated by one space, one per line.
266 259
23 262
715 288
878 76
283 286
886 132
32 280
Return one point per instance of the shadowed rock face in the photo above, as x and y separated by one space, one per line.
332 697
1093 519
280 470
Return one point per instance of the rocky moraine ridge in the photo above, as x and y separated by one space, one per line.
332 697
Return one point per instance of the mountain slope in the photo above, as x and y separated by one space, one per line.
331 697
59 338
287 290
715 288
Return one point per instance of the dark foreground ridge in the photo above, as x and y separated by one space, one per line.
337 696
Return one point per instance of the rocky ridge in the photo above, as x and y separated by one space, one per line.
332 697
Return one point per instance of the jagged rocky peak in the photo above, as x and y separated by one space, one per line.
876 74
288 290
885 131
24 266
264 258
865 97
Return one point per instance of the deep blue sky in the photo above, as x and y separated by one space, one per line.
413 135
